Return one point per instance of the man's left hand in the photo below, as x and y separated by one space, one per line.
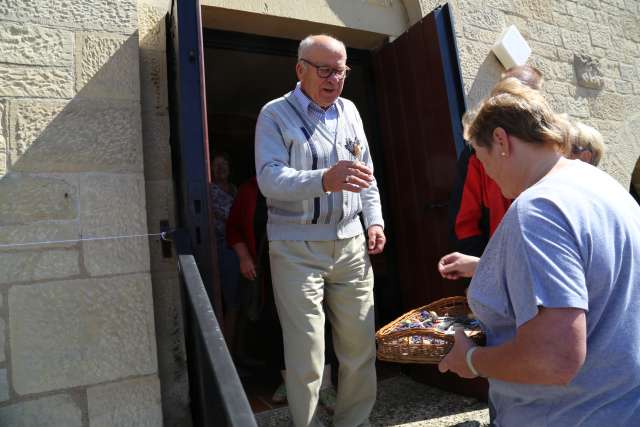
377 239
456 360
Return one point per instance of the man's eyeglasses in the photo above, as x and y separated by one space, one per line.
324 72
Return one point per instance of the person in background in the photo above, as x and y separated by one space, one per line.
556 288
477 205
587 144
247 235
222 193
315 169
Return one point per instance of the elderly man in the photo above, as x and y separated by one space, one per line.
314 167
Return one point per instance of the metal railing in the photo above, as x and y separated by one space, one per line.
217 396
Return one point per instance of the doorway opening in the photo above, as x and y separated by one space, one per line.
242 73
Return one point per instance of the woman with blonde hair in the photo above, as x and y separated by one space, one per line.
556 288
587 144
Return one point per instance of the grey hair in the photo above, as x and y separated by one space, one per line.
309 41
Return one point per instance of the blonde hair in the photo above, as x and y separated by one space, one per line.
586 138
522 112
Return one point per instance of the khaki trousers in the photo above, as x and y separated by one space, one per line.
304 273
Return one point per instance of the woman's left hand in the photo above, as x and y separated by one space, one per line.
456 360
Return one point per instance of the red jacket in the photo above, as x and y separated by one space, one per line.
241 216
478 206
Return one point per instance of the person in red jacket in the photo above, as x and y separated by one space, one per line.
477 203
246 234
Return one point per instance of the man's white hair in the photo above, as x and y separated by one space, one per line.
310 40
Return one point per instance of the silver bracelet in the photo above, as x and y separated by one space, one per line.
469 363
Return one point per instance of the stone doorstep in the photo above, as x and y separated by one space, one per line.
407 403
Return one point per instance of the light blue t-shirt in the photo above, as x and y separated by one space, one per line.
571 240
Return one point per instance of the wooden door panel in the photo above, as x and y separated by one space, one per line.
419 142
421 102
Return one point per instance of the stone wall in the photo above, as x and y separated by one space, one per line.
559 32
77 336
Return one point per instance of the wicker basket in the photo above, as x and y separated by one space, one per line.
397 346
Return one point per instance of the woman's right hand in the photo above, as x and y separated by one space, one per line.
247 267
456 265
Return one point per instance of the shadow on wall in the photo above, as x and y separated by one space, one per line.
75 169
487 76
81 158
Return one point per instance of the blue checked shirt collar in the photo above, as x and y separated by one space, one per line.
317 113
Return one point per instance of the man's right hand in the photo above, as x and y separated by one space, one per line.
347 175
456 265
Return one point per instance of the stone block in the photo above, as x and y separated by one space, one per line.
610 69
556 87
4 386
80 332
80 136
3 337
575 41
28 44
152 32
135 402
628 72
35 82
486 18
130 255
570 8
107 66
114 205
544 49
600 35
27 266
157 149
577 107
119 17
472 57
630 106
607 106
153 75
585 12
25 199
631 27
545 33
541 10
42 231
624 87
30 120
50 411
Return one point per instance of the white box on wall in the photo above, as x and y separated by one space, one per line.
511 48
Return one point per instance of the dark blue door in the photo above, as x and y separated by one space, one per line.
189 144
